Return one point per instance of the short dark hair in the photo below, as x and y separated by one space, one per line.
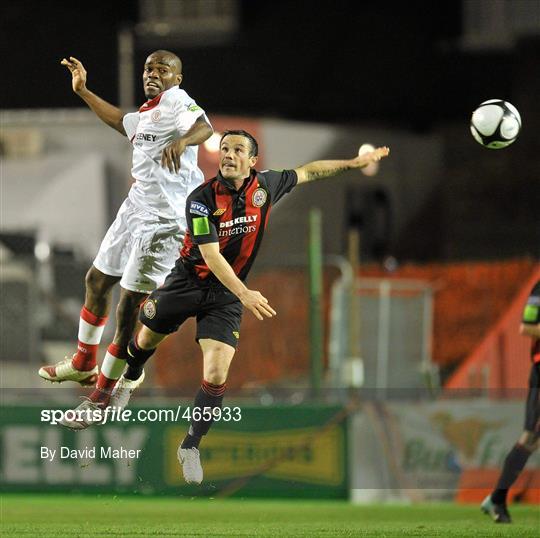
254 152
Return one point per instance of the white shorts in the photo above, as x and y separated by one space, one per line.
140 247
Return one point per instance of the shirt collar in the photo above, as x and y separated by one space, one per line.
228 185
151 103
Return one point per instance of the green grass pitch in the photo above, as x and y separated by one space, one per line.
43 516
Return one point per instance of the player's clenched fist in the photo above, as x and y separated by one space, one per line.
78 73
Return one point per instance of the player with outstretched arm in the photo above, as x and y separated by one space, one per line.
226 217
142 244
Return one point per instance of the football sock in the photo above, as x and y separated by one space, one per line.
111 370
91 329
190 440
210 396
136 359
513 465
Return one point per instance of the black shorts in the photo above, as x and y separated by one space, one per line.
218 311
532 408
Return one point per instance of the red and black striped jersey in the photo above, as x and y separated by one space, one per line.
216 212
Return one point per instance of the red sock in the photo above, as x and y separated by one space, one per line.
91 329
111 370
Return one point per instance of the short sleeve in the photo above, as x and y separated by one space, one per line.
130 122
186 113
279 182
531 312
201 227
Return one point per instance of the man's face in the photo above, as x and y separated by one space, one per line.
160 73
235 161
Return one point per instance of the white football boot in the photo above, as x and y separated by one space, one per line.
65 371
122 391
190 460
498 512
84 415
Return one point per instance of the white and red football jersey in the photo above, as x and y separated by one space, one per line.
157 123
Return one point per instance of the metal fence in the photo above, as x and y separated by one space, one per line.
380 335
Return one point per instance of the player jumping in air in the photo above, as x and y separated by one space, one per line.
226 219
495 503
142 244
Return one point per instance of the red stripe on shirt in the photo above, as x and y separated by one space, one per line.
202 271
151 103
188 244
223 201
535 350
248 242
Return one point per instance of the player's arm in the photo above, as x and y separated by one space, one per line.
527 329
220 267
530 321
198 133
106 112
322 169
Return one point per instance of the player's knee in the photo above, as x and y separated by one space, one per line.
92 280
96 282
216 370
216 376
217 358
529 440
148 339
530 446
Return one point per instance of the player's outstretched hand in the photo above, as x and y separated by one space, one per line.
371 157
170 157
254 301
78 73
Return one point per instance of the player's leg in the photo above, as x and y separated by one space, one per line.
153 252
495 503
149 248
94 315
218 326
109 391
82 367
140 348
217 357
89 412
178 299
513 465
106 271
114 362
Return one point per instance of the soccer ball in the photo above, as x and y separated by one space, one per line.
495 124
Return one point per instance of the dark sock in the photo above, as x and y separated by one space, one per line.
209 396
136 359
513 465
190 440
